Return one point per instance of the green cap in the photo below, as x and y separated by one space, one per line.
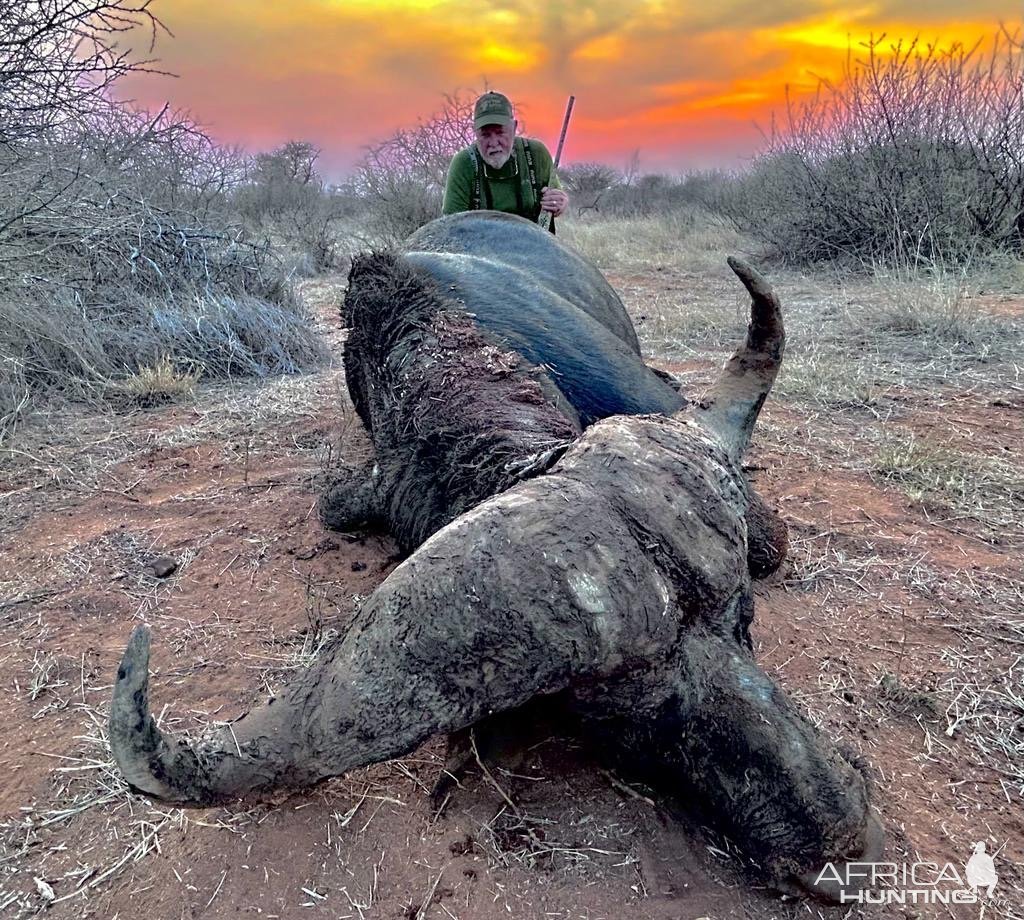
492 109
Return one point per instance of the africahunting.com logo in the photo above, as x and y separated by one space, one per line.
914 883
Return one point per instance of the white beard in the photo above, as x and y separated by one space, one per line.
496 160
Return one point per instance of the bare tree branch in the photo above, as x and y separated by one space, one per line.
58 59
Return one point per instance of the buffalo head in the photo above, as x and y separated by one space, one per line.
603 559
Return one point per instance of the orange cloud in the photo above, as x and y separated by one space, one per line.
683 84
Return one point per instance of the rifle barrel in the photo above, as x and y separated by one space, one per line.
565 127
545 218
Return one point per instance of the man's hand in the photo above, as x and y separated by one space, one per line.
553 200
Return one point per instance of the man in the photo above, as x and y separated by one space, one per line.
502 172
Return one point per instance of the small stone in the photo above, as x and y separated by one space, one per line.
162 566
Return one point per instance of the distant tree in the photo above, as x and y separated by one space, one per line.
285 195
632 171
293 163
281 181
588 182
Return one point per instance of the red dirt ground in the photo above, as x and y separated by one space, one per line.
879 623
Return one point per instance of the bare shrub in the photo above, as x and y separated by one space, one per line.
59 58
117 248
916 158
589 183
631 194
645 195
279 181
403 177
283 195
124 259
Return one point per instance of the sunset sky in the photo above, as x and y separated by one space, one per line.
684 83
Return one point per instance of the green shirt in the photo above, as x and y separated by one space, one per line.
502 183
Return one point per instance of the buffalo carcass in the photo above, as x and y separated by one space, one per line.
604 560
476 431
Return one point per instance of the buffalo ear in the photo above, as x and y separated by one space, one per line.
767 537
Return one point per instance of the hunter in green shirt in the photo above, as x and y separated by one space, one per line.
502 172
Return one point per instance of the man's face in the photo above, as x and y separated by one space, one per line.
495 143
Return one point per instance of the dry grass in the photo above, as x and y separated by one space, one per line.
85 780
853 344
687 239
934 305
671 328
987 490
986 704
818 376
160 382
861 344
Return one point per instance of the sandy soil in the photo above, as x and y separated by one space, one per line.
896 624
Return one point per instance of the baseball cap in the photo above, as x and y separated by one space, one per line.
492 109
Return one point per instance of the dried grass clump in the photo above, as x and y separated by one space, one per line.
822 375
935 305
158 383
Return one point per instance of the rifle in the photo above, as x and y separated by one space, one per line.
546 216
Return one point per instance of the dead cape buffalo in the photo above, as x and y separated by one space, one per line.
576 528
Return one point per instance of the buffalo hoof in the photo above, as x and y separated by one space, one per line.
350 502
